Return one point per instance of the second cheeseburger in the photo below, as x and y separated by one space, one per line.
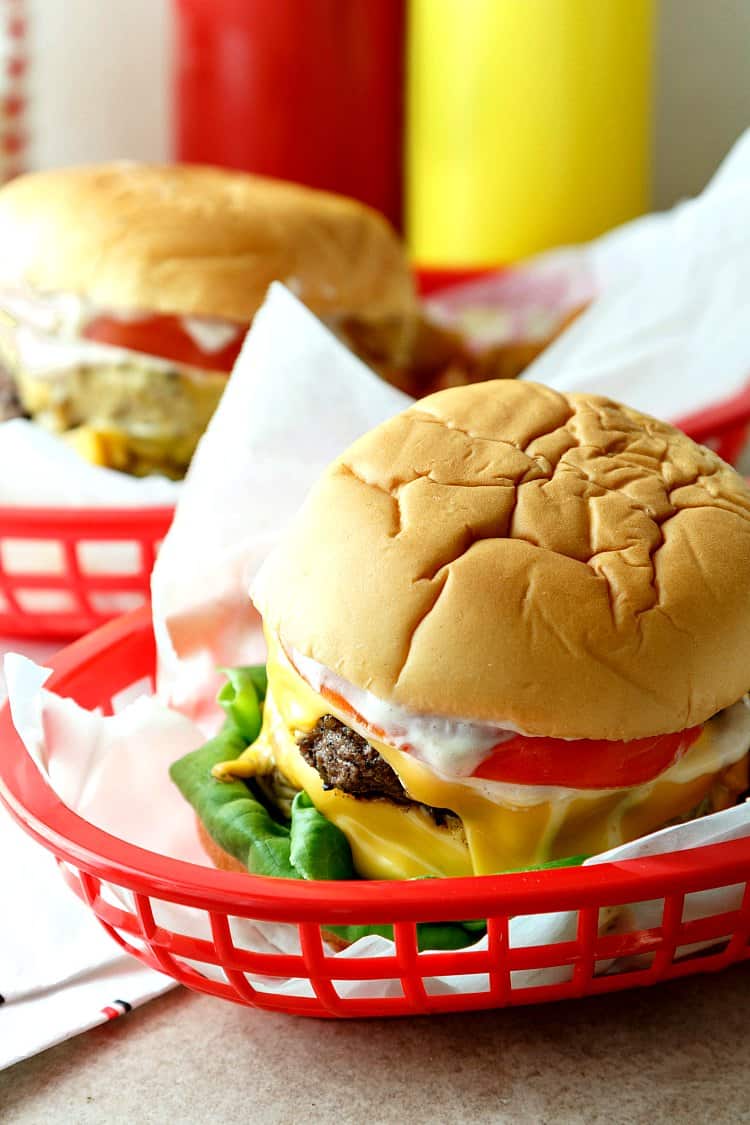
509 626
126 291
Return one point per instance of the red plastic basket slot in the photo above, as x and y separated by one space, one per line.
98 866
76 582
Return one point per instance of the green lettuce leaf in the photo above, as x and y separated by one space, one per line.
242 696
230 812
319 850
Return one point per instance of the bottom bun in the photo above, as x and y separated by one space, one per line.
226 862
221 859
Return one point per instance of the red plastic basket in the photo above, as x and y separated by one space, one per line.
725 426
64 571
102 869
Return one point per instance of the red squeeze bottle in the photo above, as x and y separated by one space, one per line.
305 90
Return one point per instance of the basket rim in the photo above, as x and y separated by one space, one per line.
20 520
37 808
731 410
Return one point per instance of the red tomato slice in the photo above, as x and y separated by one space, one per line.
575 764
346 707
586 763
162 336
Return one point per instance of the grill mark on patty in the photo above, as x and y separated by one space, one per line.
345 760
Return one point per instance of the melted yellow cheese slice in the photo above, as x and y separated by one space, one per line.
498 834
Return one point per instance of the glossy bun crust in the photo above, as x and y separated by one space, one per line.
503 552
199 241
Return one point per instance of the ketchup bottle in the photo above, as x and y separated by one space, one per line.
305 90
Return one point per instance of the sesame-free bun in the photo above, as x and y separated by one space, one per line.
198 241
502 552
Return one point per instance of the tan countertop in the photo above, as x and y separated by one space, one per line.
677 1052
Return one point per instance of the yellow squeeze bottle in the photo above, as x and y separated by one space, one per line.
528 124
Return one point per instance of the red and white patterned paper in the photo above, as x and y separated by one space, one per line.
14 63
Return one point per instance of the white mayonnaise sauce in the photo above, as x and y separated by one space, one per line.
45 356
63 313
454 748
64 316
211 336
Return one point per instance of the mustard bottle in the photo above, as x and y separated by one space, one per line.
528 124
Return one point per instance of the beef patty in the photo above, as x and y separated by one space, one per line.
345 760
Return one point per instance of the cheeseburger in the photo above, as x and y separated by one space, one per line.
509 628
126 291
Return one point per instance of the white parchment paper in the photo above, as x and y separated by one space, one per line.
38 469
